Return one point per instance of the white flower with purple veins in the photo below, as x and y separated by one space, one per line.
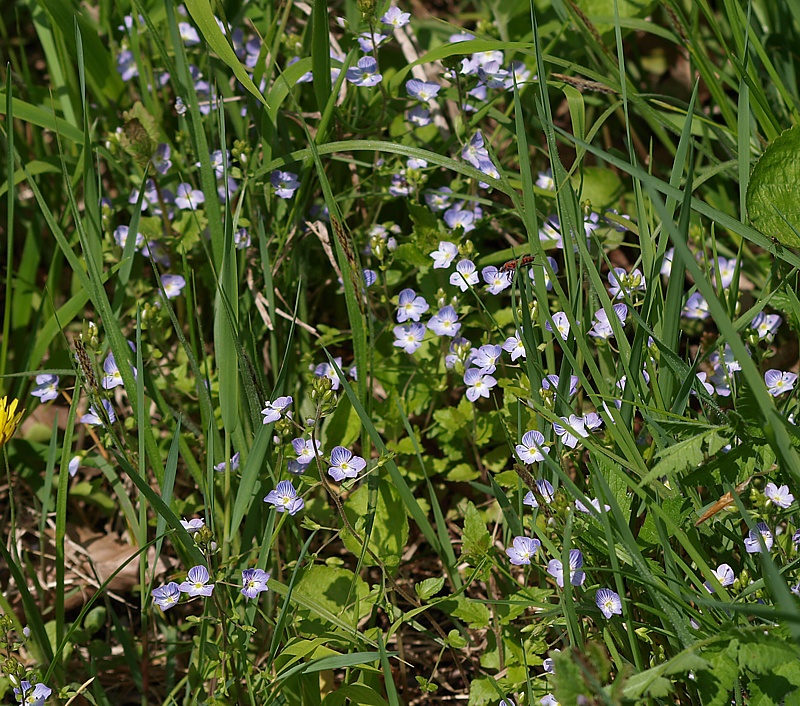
112 377
422 90
544 180
121 237
551 381
493 75
496 280
549 233
409 337
444 256
486 358
93 417
608 602
193 525
370 277
595 503
701 379
241 239
166 597
438 199
305 450
46 387
234 464
474 151
445 322
284 183
544 488
724 574
531 449
188 34
766 325
173 285
274 410
561 323
602 328
326 370
187 198
778 496
368 41
458 218
753 542
410 306
284 498
419 116
197 582
364 73
478 384
779 382
465 275
696 307
74 465
623 283
514 346
726 270
580 428
548 283
394 17
576 577
415 163
344 464
219 160
523 550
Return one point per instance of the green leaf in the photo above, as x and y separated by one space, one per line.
330 591
599 185
389 530
773 203
482 691
597 9
474 613
476 539
429 587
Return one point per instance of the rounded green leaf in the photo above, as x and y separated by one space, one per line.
773 202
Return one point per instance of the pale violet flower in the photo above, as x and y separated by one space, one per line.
608 602
173 285
752 544
161 159
779 382
576 577
486 358
478 384
514 346
444 256
121 237
344 464
595 503
422 90
778 496
306 450
193 525
544 180
93 418
726 270
364 73
548 700
459 218
543 488
284 183
188 34
234 464
696 307
580 426
187 198
766 325
496 280
368 41
410 306
46 387
394 17
445 322
522 550
531 449
409 337
284 498
254 581
623 283
551 382
197 582
602 328
166 597
419 116
561 323
112 377
273 410
724 574
74 465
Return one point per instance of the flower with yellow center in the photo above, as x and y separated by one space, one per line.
9 421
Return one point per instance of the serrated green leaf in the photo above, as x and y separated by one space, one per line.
473 612
476 539
429 587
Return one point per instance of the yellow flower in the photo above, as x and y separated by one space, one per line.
8 420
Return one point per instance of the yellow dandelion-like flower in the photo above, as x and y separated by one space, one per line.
9 421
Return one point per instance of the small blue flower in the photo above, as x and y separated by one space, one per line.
465 275
173 285
422 90
551 382
285 184
410 306
273 410
724 574
197 582
576 577
608 602
93 418
443 257
409 337
187 198
161 158
344 464
522 550
778 496
752 544
254 581
32 694
544 488
497 280
478 384
514 346
779 382
532 449
394 17
285 499
445 322
193 525
166 597
46 387
364 73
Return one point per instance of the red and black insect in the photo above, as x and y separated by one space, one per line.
510 266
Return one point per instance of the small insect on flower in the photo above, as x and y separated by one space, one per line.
254 581
196 583
522 550
284 498
344 464
512 266
753 544
166 597
608 602
576 577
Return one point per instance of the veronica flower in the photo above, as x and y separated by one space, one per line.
778 496
497 280
548 283
419 116
486 358
306 450
273 410
326 370
544 180
394 17
112 377
549 233
368 41
523 550
595 503
93 418
234 464
752 544
551 381
696 307
193 525
608 602
460 351
241 238
602 328
779 382
458 218
173 285
623 283
445 322
32 694
544 488
726 270
46 387
409 337
720 383
474 151
126 65
579 427
724 574
531 449
701 379
410 306
493 75
444 256
344 464
254 581
187 198
188 34
422 90
74 465
121 237
438 199
284 498
727 359
548 700
478 384
548 663
364 73
514 346
197 582
561 323
766 325
284 183
576 577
